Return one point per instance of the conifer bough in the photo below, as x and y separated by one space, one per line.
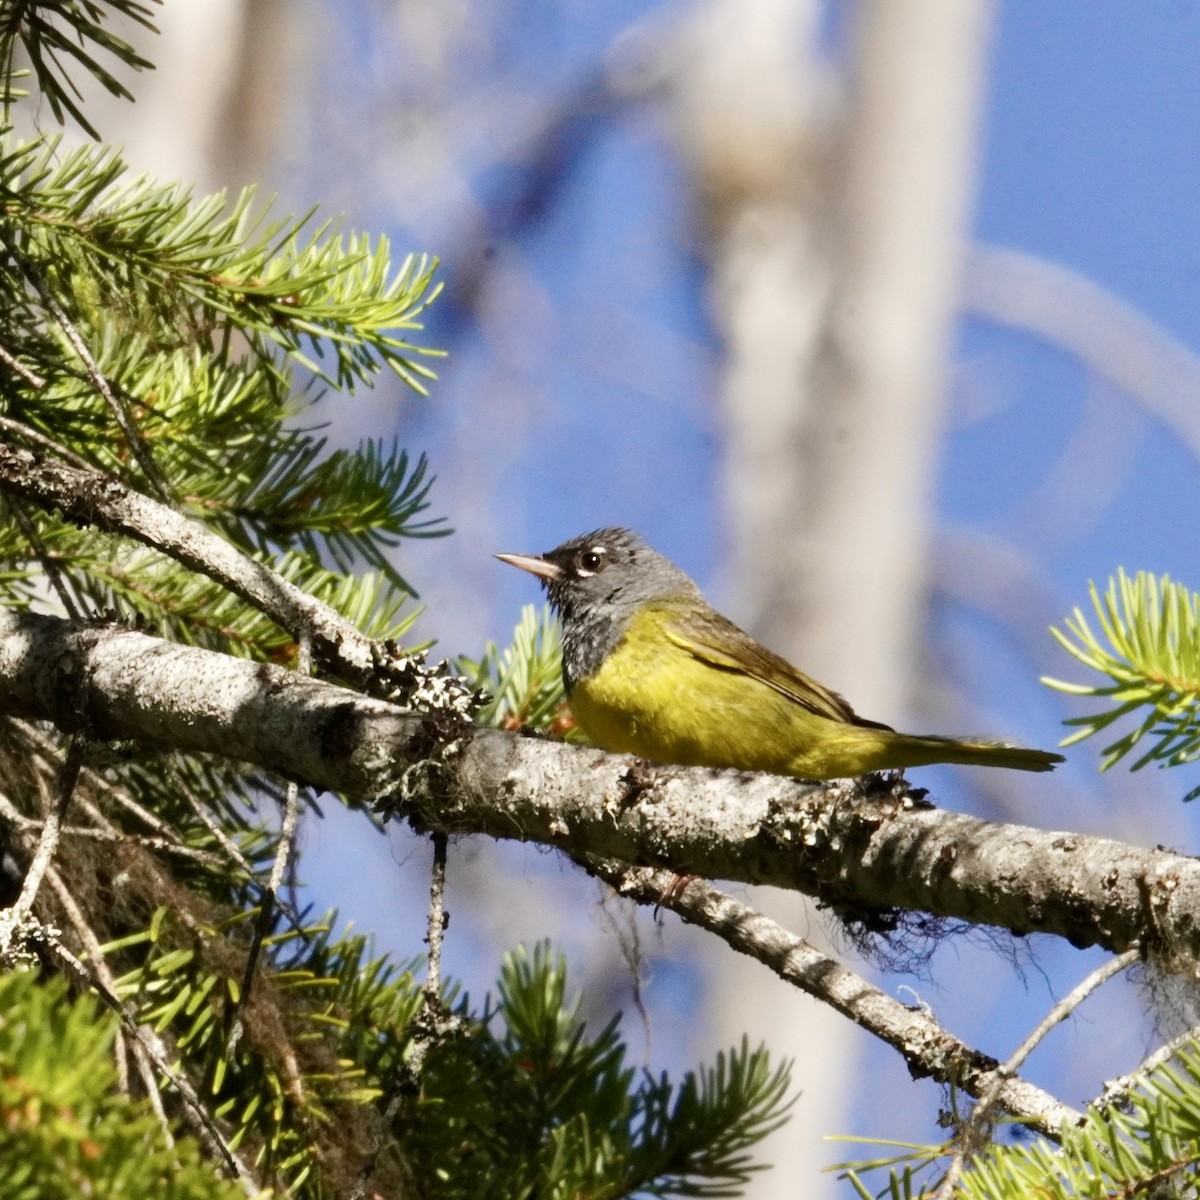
892 852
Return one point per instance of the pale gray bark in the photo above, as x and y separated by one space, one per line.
912 1030
861 846
88 497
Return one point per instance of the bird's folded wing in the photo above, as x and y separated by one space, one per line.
720 643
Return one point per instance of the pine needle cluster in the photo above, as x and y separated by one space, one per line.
67 1130
1148 648
535 1105
522 683
1147 1145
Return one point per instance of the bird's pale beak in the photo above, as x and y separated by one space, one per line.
533 564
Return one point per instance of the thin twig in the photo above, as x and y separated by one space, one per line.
168 841
121 1053
289 909
284 852
927 1048
44 557
148 1050
165 845
21 430
231 848
51 827
437 921
971 1137
1116 1090
49 755
431 1026
629 945
94 779
91 944
150 1086
19 368
194 1109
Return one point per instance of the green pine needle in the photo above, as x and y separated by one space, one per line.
56 38
1145 1148
523 681
167 264
1148 649
535 1104
67 1131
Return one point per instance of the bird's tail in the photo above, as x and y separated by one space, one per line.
912 750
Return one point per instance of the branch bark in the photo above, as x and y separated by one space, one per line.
863 847
926 1047
87 497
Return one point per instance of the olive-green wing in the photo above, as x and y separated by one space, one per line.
719 642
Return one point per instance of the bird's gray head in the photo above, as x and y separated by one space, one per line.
597 582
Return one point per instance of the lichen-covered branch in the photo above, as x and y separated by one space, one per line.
864 847
927 1048
88 497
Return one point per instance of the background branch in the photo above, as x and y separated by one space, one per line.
92 498
974 1134
927 1048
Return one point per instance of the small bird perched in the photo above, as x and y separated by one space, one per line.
651 669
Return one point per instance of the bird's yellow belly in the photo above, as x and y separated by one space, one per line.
652 698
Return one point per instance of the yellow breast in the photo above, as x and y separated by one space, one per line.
652 698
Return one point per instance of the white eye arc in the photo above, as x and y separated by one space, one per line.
589 561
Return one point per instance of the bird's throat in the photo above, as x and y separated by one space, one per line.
587 642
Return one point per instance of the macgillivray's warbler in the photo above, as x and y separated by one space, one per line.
651 669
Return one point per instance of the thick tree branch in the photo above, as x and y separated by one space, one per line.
863 847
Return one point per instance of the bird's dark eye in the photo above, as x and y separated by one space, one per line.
590 560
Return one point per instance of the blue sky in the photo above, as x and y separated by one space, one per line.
1090 146
589 397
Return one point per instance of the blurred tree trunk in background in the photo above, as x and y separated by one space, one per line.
836 222
177 126
274 49
212 113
